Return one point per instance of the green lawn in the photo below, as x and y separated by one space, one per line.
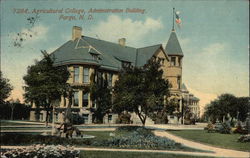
215 139
10 123
99 135
110 154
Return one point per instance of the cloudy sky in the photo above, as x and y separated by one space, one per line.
214 36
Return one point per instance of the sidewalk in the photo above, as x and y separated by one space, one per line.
218 152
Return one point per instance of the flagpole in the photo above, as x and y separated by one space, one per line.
173 20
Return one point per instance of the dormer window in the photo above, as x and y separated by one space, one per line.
125 64
95 57
94 54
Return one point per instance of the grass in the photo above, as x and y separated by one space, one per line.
26 128
99 135
228 141
10 123
108 154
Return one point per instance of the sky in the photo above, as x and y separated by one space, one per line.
214 36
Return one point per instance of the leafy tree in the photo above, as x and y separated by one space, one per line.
243 107
5 88
45 83
169 108
100 93
141 90
20 111
227 104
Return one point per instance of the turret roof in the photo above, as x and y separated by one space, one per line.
173 46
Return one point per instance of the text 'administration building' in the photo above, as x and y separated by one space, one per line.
83 55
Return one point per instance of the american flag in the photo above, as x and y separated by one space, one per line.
177 18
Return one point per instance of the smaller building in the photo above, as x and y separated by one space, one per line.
190 101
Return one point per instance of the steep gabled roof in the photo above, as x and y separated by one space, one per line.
67 54
111 55
145 53
173 46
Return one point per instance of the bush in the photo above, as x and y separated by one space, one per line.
14 138
244 138
41 151
124 118
224 128
210 127
77 119
141 138
239 130
158 118
127 128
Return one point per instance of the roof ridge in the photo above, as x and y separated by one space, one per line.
150 46
110 42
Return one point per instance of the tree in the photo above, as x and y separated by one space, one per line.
242 108
20 111
140 90
226 104
100 93
5 88
45 83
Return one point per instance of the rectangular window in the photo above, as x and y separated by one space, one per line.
109 118
110 79
179 82
173 62
85 100
99 78
179 61
86 75
56 117
76 98
76 74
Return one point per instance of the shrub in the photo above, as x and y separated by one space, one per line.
77 119
141 138
41 151
244 138
127 128
14 138
224 128
239 130
124 118
210 127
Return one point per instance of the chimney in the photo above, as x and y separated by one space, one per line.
76 32
122 41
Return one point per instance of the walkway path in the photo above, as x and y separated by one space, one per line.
218 152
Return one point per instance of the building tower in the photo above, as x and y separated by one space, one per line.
174 73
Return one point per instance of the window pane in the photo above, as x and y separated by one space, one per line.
179 60
76 74
110 79
85 100
173 61
86 75
76 98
